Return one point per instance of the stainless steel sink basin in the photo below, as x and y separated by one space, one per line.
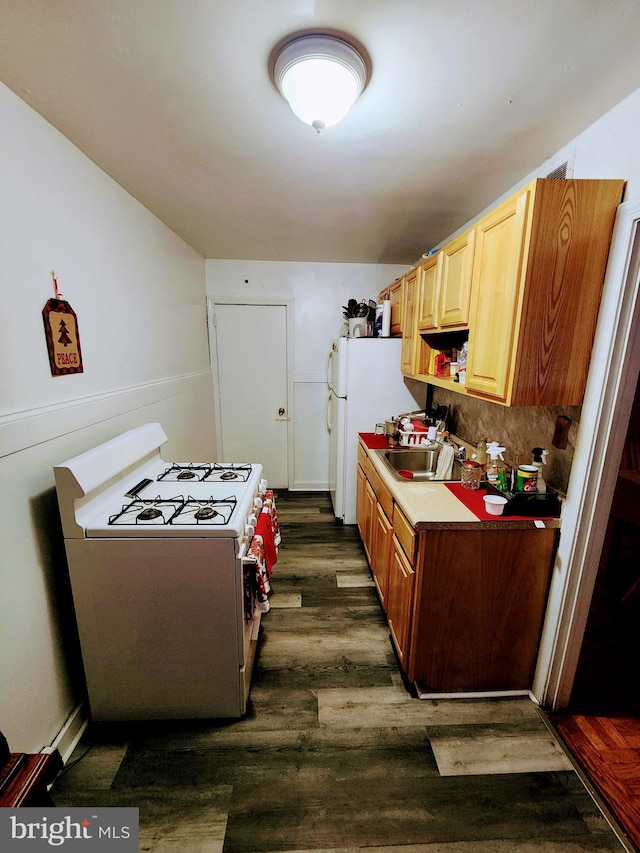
420 462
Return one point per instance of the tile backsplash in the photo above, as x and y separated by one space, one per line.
518 429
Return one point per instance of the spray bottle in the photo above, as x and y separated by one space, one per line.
496 473
539 459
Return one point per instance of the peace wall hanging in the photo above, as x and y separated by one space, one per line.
61 331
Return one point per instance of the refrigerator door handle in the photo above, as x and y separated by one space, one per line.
328 413
330 357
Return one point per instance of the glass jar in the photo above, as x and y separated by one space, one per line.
471 475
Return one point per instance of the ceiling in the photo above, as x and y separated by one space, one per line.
173 99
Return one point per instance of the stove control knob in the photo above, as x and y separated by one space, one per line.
249 529
257 503
252 519
263 486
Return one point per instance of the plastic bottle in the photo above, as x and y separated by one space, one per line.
539 459
496 471
481 453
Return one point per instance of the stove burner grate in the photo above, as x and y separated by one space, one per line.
143 512
233 471
189 471
205 512
176 511
211 472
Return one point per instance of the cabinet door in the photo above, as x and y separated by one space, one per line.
479 606
361 509
400 601
381 541
456 261
428 290
415 355
395 297
409 326
368 512
497 285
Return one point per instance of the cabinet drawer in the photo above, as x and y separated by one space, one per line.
404 533
363 459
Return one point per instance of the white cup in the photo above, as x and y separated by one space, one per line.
494 504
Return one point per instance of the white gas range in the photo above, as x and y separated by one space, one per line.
164 587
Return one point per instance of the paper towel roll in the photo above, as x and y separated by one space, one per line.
386 318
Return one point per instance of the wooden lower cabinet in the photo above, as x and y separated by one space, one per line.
479 604
365 510
400 601
465 607
381 544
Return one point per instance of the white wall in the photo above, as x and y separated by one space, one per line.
139 293
317 293
606 149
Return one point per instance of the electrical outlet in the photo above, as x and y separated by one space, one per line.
561 431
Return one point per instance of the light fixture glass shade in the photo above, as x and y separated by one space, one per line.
321 77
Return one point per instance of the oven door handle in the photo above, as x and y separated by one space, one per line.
242 550
245 558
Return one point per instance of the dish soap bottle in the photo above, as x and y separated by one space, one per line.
496 473
539 459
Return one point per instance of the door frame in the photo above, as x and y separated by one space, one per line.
606 408
285 303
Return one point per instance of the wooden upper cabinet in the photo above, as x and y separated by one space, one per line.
445 286
409 325
395 295
538 270
456 260
428 290
497 272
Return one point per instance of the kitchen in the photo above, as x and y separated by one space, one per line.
118 266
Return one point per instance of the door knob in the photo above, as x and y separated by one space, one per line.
281 411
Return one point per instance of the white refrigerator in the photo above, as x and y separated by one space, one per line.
365 387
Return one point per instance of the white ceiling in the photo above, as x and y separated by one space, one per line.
173 99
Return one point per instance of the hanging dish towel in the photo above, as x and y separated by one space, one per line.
270 505
264 528
445 463
262 585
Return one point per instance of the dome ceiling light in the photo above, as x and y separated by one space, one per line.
321 76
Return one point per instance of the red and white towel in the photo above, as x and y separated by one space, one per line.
264 550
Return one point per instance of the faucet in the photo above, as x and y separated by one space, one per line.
459 449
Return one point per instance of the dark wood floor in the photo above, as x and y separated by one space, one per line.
601 727
336 753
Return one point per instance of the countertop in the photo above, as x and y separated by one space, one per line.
432 506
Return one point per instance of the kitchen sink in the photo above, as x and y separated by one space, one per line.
420 463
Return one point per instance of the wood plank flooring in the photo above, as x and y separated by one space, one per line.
336 753
607 748
601 727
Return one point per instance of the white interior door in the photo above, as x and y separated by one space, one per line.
251 365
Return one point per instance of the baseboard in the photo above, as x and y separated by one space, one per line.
485 694
67 738
309 487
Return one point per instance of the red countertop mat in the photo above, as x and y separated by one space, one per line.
474 501
374 441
